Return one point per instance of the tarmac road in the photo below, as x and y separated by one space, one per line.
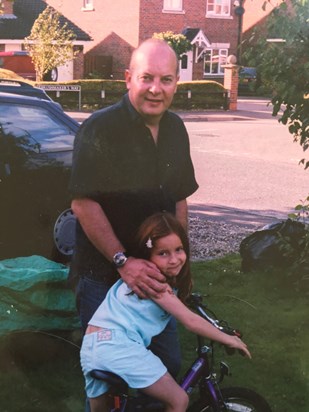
246 164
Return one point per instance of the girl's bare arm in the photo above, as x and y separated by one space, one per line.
195 323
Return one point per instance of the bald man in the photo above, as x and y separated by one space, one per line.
130 160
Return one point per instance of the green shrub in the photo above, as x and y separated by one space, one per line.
205 94
190 95
298 254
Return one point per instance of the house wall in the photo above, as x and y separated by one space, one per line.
256 18
78 64
13 46
113 26
153 19
256 11
217 30
117 27
65 72
7 7
107 16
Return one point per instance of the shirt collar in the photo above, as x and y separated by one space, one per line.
135 117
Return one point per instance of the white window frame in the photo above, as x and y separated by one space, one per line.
222 54
173 6
88 5
218 8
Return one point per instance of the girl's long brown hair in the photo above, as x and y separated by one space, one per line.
155 227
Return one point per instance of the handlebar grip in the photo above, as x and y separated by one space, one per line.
237 333
231 331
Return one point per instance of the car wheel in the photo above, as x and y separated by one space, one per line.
64 232
51 75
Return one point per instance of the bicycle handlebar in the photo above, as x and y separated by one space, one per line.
196 303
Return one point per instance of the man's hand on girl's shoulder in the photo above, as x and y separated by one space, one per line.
143 277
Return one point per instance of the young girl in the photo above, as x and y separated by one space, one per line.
121 329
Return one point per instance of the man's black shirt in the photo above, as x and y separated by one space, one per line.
117 163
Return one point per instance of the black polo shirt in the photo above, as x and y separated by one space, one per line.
117 164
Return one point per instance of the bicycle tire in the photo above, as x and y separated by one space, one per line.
236 400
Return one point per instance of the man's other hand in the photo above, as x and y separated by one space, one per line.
143 277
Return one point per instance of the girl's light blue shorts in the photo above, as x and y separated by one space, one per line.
112 350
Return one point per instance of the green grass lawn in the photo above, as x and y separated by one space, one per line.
273 318
42 373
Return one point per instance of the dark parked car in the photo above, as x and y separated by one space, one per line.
36 142
20 87
248 80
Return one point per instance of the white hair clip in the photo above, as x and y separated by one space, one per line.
149 243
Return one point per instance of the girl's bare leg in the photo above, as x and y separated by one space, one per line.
100 404
170 393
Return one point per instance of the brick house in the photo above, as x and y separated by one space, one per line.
256 15
16 22
257 11
117 27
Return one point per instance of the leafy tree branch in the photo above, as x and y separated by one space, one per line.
49 44
178 42
280 51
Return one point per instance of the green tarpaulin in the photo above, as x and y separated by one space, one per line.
34 295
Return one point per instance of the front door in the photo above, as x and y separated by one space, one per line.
186 67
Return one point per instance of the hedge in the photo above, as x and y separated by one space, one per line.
95 94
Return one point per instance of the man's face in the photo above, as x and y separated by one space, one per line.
152 81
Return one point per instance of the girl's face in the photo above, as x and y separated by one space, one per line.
169 255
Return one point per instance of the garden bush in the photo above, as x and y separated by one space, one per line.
96 93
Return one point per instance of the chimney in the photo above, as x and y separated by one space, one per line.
7 7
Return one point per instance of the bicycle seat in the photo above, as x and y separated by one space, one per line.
119 384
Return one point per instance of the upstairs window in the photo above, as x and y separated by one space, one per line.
172 5
88 5
218 8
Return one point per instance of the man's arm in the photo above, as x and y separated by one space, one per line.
142 276
182 213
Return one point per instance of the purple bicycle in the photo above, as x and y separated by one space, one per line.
200 378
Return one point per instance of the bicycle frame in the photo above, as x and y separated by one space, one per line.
199 374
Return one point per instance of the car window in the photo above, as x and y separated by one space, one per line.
38 123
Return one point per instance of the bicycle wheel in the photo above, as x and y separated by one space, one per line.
236 400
